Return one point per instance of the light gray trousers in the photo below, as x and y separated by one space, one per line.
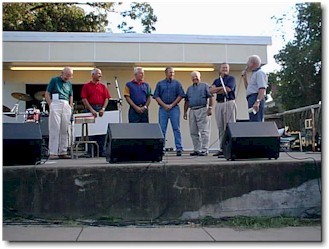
199 123
225 112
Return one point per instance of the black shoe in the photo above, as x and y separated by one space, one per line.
194 153
203 153
179 153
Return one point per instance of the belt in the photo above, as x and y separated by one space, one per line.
197 107
222 101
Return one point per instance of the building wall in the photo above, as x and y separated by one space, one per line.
16 82
116 55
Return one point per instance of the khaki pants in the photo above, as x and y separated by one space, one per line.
59 123
199 123
225 112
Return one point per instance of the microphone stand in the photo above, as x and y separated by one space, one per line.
120 98
225 98
72 133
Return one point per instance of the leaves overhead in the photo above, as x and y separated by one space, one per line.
299 80
72 17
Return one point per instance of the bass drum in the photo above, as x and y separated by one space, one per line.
32 115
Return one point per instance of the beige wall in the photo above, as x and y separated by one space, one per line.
117 54
16 81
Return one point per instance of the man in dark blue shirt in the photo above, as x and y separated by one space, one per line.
225 110
168 93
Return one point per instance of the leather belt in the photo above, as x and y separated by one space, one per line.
197 107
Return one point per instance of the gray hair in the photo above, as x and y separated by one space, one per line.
255 59
197 73
138 69
94 71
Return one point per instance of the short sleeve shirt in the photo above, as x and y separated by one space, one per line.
198 94
258 80
230 82
60 87
95 93
137 91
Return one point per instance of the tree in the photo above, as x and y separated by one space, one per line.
72 17
299 80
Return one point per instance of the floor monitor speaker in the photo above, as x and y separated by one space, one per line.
134 142
244 140
22 143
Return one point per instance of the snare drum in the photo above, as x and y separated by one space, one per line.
32 115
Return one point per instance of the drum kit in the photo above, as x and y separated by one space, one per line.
31 115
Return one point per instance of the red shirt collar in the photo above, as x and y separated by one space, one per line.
138 83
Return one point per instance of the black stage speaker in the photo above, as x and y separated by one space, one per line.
134 142
251 140
22 143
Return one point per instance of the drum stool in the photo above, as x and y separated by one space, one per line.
84 120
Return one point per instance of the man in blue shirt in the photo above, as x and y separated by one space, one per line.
197 98
168 93
255 88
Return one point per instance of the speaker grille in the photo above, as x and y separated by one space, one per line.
134 142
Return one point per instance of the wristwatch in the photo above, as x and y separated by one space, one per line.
145 106
103 109
258 100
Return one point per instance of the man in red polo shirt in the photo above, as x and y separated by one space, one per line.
95 97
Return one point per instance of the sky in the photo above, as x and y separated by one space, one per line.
228 19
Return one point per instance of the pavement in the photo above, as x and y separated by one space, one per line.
42 233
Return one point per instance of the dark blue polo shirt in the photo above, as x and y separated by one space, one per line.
229 81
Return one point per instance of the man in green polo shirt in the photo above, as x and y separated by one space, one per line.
59 96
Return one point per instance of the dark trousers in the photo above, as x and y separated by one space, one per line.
100 139
135 117
259 116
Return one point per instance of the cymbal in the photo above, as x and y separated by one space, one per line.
40 95
7 109
22 96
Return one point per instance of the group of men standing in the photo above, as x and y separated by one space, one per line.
168 93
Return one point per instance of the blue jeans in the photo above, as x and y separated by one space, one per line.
174 116
259 116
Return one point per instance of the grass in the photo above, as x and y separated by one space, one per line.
238 222
259 222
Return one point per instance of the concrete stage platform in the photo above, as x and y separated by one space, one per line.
177 188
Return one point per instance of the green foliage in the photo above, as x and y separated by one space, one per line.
71 17
299 80
142 11
258 222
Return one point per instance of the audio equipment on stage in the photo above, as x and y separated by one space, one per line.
251 140
44 126
134 142
22 143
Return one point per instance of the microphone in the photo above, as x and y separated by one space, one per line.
108 83
244 71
